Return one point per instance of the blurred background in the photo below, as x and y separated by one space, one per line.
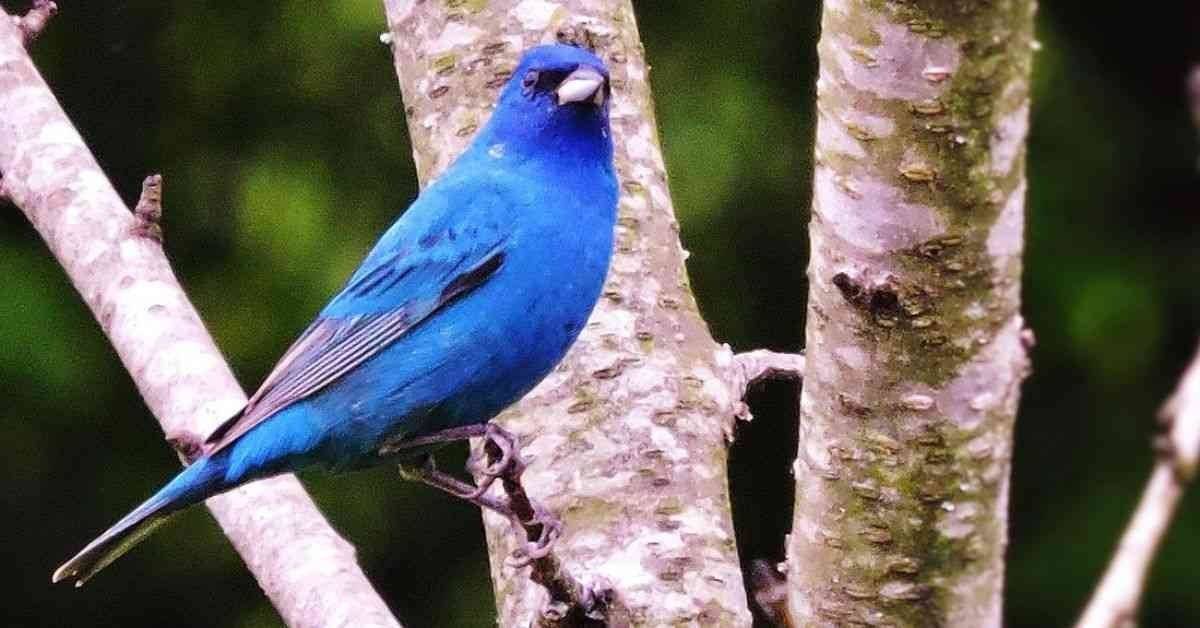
279 129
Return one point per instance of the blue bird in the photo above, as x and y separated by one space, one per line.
467 301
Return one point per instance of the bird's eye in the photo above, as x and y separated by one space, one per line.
530 79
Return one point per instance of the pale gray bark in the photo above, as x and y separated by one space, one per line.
915 345
627 439
305 568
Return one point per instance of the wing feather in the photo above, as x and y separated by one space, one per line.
334 345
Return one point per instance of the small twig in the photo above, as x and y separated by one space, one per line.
1115 602
571 603
34 21
763 364
751 367
148 210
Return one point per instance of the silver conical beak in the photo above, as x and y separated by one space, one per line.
581 85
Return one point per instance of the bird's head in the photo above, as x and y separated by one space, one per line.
556 100
563 77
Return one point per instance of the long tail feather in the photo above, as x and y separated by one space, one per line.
201 479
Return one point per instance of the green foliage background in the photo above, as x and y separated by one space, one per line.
278 126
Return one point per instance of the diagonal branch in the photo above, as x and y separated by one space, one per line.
1116 599
305 568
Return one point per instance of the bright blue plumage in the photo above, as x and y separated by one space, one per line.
464 305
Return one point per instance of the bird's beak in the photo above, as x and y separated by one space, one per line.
581 85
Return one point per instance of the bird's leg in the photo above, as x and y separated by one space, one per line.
403 444
502 461
426 472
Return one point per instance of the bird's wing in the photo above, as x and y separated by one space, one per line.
389 295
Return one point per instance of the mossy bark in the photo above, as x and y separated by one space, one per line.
627 438
915 344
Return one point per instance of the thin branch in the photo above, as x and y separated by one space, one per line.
762 364
305 568
34 21
1115 602
751 367
1118 595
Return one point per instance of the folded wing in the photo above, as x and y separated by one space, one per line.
388 296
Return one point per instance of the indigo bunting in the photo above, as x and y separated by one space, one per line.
466 302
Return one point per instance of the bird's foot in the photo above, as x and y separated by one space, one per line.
542 530
426 472
502 458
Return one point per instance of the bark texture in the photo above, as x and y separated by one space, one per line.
627 438
915 345
306 569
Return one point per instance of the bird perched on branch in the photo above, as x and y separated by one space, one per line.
465 303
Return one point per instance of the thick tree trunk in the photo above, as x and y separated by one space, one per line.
116 262
916 348
627 439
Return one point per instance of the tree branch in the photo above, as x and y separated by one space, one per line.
1116 599
915 345
305 568
1115 602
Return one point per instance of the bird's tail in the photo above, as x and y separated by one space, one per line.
204 477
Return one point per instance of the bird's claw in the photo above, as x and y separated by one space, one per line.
500 460
501 450
550 531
